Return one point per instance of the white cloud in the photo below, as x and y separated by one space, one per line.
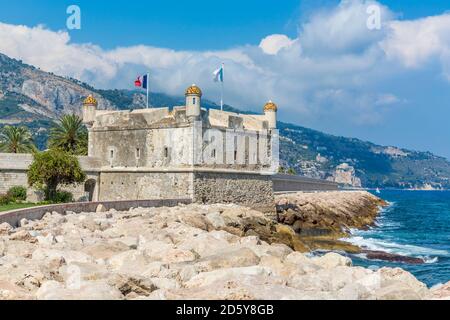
332 68
274 43
414 43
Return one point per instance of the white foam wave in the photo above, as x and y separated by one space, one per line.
429 260
395 248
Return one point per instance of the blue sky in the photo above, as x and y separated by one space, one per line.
192 25
327 72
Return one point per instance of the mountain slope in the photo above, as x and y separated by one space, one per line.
36 98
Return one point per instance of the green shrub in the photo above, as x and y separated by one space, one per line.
63 197
5 199
18 193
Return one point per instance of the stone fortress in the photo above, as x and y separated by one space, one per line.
188 152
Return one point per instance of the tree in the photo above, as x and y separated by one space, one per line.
52 168
16 140
70 135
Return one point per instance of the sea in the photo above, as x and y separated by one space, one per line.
416 224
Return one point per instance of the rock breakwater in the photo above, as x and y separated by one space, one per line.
184 252
320 219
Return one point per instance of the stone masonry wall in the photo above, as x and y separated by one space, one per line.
252 190
11 178
145 185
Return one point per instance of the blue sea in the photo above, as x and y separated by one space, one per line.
416 224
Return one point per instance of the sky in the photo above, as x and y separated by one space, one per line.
317 59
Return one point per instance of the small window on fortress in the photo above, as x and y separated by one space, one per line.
193 100
235 155
166 152
213 154
138 153
111 154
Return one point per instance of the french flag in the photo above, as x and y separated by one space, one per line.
141 82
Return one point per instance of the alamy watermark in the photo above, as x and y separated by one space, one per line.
251 150
73 22
374 19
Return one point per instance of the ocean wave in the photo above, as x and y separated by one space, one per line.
429 260
395 248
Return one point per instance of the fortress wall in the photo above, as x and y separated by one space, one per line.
287 183
13 172
128 185
11 178
162 147
252 190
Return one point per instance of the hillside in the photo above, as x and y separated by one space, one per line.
36 98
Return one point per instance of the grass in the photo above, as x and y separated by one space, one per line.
14 206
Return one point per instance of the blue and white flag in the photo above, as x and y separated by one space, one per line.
218 74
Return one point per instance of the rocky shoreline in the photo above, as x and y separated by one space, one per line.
185 252
321 220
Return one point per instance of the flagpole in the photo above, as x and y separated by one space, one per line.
148 86
221 95
221 89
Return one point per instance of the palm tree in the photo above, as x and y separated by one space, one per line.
70 135
16 140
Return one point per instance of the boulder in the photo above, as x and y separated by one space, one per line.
79 271
130 262
207 278
10 291
5 228
89 290
101 208
204 244
69 256
105 250
397 283
178 255
216 220
22 235
126 284
46 241
441 292
236 257
332 260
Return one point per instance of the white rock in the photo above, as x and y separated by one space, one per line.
5 228
23 222
130 242
216 220
101 208
89 290
332 260
69 256
207 278
10 291
231 258
46 241
130 262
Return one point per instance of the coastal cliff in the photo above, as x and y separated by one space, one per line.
185 252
